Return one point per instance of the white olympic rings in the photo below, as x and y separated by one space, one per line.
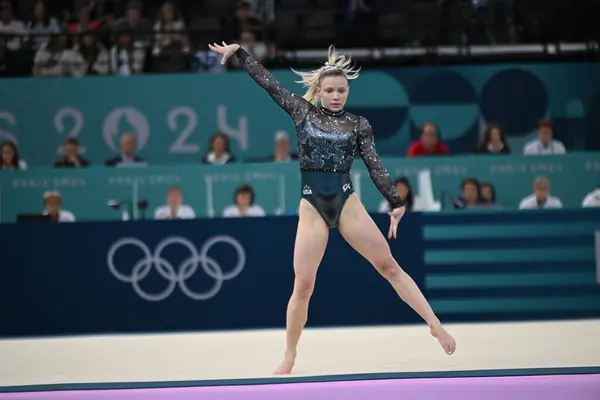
186 269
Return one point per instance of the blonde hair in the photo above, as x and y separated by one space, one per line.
336 65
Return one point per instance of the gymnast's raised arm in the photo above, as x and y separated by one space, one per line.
294 105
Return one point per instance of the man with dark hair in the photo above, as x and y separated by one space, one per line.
545 144
71 158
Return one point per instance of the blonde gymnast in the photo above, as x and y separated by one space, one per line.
328 138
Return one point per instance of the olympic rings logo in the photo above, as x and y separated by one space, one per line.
197 259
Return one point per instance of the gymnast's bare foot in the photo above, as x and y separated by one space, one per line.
285 368
446 340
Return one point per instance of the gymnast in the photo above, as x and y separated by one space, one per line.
328 138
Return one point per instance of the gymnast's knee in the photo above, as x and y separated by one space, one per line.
388 267
303 288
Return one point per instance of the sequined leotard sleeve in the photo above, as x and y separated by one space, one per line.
294 105
379 175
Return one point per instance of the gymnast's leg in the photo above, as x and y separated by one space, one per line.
360 231
311 240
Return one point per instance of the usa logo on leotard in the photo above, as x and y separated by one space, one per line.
306 190
177 277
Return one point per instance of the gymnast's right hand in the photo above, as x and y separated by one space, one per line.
226 50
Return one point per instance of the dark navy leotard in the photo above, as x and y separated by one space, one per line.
327 145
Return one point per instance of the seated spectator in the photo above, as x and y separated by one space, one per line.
471 195
169 26
55 57
71 158
42 25
247 41
283 148
128 154
488 195
11 26
244 204
429 144
493 141
243 20
175 209
219 152
406 194
125 57
545 144
541 196
9 60
52 206
592 199
90 57
137 26
84 22
9 157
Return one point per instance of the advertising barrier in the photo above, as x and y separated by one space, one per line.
158 276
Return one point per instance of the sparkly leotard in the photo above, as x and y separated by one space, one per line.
327 144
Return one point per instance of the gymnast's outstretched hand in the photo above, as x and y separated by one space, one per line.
226 50
395 217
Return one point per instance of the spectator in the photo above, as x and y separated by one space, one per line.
405 192
541 197
71 158
136 25
283 148
11 26
244 20
167 26
90 57
52 206
84 22
244 204
258 50
544 144
125 57
471 195
55 57
42 25
219 151
493 141
429 144
174 208
9 157
8 60
592 199
488 195
128 154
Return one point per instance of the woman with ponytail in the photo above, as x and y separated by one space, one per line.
328 138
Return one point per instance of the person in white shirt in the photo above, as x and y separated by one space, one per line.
541 196
244 204
52 206
174 209
11 26
592 199
544 144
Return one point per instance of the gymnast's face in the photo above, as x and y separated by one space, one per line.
333 92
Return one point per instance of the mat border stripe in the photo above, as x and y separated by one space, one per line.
494 373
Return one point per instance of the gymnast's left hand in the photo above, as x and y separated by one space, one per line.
395 217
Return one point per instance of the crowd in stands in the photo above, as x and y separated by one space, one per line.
473 193
116 37
100 37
